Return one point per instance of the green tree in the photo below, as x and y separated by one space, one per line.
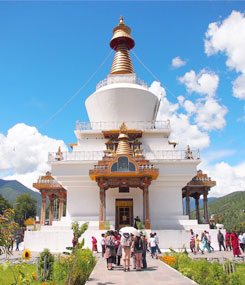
25 207
7 231
4 205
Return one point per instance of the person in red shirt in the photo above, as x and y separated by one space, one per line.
235 244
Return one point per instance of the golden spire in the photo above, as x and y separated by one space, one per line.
122 42
123 145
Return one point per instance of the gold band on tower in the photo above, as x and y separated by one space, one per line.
122 42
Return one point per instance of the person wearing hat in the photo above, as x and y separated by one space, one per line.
110 251
139 246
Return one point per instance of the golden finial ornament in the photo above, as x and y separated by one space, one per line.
122 42
59 154
123 129
123 145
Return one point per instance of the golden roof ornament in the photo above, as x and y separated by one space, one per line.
59 154
123 145
122 42
123 129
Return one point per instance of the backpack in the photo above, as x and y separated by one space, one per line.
138 243
110 244
126 242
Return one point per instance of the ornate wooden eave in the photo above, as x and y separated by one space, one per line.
122 162
48 183
198 185
142 169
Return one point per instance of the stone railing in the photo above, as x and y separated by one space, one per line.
149 155
121 78
172 154
77 155
50 182
99 126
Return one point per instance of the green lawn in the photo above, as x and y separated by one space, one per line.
7 276
241 270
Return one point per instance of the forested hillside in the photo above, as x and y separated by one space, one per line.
10 189
228 210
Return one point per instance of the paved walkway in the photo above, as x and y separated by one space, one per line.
218 255
156 273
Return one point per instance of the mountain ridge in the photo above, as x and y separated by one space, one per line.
10 189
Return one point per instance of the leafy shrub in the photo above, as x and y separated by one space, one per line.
83 266
139 225
107 225
74 269
61 269
201 271
77 233
45 265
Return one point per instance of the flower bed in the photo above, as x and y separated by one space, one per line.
201 271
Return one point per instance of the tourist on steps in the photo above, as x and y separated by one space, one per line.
152 244
126 243
197 242
235 244
209 240
94 244
138 246
110 251
192 242
103 244
220 238
157 243
118 249
228 240
144 264
242 241
204 240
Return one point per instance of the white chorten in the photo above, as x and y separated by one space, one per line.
118 171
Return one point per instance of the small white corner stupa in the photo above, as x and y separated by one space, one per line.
122 165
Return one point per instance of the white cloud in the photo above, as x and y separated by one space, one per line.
182 131
189 106
205 82
24 153
211 156
228 37
210 115
157 89
178 62
186 133
228 178
239 87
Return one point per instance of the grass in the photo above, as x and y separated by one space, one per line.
241 270
7 276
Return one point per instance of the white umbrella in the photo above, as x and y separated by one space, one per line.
130 230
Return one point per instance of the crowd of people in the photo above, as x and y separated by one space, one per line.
229 241
118 246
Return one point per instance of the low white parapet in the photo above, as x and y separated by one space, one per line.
149 155
105 126
121 78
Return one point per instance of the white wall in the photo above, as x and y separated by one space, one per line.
83 202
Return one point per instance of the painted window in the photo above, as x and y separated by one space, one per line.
123 165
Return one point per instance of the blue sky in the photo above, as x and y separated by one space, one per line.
49 49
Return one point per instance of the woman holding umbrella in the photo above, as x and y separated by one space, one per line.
126 243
